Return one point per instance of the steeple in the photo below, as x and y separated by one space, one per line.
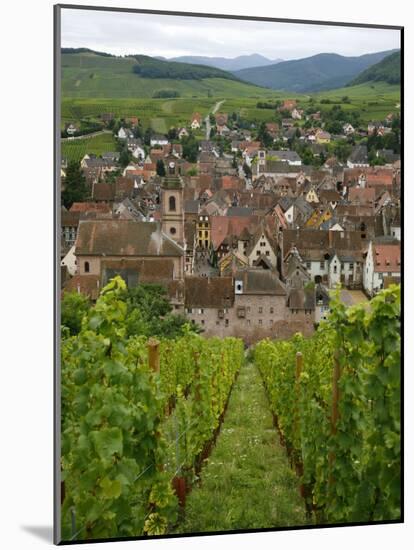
172 207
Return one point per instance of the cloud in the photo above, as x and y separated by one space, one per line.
123 33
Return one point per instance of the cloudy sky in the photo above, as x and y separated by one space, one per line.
169 36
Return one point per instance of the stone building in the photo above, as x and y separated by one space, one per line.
140 250
251 305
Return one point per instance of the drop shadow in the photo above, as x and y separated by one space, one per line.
43 532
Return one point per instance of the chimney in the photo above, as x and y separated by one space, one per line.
330 238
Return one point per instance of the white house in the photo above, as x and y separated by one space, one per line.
182 132
71 129
138 152
125 133
382 260
261 248
348 129
70 261
196 121
158 139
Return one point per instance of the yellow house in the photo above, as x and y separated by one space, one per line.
318 217
322 137
203 231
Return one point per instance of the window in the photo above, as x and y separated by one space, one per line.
86 267
248 309
351 266
342 266
189 310
308 266
241 312
257 252
202 321
248 321
173 230
271 310
322 265
226 322
260 310
171 203
200 311
267 253
271 322
335 269
260 322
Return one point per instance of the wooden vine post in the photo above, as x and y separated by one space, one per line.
335 410
154 354
197 376
298 372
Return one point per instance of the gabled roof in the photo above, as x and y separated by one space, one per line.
387 258
209 292
124 238
222 226
261 281
359 155
301 298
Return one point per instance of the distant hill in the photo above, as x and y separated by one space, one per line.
151 67
228 64
86 73
388 70
324 71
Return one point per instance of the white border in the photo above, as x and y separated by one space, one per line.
27 273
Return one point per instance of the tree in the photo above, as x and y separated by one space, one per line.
147 136
125 157
264 136
172 134
247 170
137 132
160 168
75 188
190 148
74 307
149 312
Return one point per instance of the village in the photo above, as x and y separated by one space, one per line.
249 227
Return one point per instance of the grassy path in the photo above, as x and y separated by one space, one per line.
247 482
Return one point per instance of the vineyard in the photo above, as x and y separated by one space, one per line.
138 418
336 403
144 420
76 149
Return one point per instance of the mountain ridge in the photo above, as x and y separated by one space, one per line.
311 74
387 70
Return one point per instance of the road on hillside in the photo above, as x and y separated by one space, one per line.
87 136
207 119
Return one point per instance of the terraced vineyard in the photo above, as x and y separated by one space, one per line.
75 149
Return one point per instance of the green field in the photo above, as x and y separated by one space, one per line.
75 149
94 76
374 100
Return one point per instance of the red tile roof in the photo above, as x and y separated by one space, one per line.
363 196
222 226
90 207
387 258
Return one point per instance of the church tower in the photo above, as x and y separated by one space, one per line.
172 207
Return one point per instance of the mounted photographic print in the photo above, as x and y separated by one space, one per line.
228 269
